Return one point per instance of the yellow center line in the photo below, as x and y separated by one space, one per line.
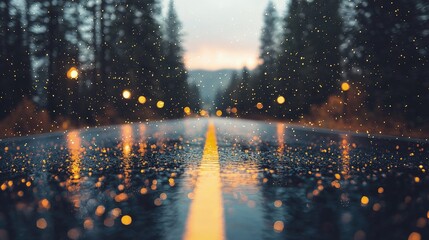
205 218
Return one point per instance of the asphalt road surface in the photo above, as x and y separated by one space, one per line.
213 179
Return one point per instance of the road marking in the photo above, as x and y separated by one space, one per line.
205 218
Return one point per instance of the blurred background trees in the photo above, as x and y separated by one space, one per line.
93 62
354 62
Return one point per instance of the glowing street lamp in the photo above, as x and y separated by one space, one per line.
72 73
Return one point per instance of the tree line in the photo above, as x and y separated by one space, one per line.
126 60
371 56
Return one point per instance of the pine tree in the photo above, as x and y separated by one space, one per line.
138 61
309 63
389 47
230 96
53 46
264 83
175 82
324 29
194 98
290 74
15 66
5 59
243 92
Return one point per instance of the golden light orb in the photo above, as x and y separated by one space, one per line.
415 236
126 220
278 226
160 104
281 100
187 110
142 99
41 223
259 106
345 87
364 200
219 113
234 110
126 94
72 73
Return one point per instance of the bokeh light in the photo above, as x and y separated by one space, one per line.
126 220
204 113
126 94
73 73
364 200
281 100
41 223
345 87
187 110
278 226
142 99
160 104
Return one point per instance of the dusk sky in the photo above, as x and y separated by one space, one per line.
222 34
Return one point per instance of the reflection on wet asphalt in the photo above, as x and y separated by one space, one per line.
265 181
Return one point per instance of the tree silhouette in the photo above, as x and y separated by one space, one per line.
175 82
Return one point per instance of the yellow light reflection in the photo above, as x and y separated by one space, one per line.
345 157
74 146
126 94
280 138
205 218
75 151
127 146
142 144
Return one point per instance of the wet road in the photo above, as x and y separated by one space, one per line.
213 178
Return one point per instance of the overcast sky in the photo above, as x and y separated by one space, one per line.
222 33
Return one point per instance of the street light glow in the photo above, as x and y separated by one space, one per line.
281 100
72 73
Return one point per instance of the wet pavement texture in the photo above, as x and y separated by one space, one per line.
154 180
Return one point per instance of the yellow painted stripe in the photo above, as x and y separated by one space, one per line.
205 218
